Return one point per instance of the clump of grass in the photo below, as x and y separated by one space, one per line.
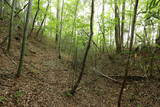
19 93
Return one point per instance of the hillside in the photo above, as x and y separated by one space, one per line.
46 78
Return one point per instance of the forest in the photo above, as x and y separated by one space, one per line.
79 53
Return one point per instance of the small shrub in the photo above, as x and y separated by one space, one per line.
2 99
67 94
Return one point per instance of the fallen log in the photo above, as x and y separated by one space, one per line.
107 77
130 78
118 78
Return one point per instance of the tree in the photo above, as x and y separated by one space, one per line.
130 49
122 22
1 8
103 25
34 19
75 35
158 33
117 28
11 26
129 28
57 23
60 32
45 15
133 23
25 34
86 52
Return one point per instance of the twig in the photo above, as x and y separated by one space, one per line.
11 59
92 40
7 3
21 10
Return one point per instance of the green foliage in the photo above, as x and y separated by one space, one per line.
67 94
139 105
2 99
148 15
153 9
19 93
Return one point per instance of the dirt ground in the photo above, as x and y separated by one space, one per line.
45 78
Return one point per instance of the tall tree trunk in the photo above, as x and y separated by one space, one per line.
34 19
75 36
128 36
130 49
25 33
122 22
103 26
133 23
158 33
1 9
11 26
117 28
60 32
57 23
45 15
130 22
146 35
75 17
86 52
159 30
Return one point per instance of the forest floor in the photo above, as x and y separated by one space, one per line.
45 79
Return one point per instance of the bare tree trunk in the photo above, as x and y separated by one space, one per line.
25 33
11 26
75 17
122 22
130 49
128 37
103 25
60 32
34 20
45 15
133 23
57 23
146 35
75 51
117 28
1 8
130 20
75 38
158 33
86 52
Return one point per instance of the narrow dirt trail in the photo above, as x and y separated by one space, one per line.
45 79
43 82
49 78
